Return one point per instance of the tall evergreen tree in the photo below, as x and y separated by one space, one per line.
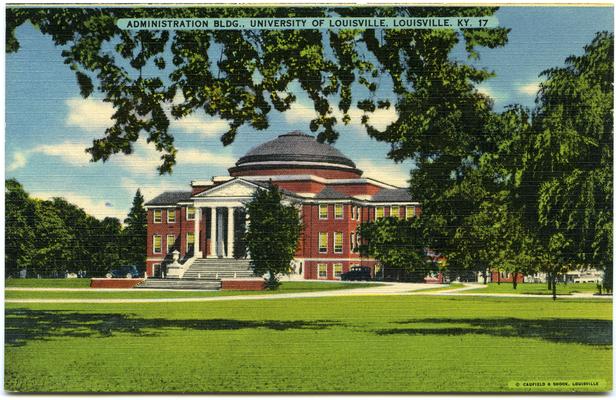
135 233
272 235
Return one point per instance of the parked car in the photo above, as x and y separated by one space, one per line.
125 271
357 273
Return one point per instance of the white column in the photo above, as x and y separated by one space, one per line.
230 231
213 240
197 249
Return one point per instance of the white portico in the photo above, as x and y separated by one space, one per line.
220 210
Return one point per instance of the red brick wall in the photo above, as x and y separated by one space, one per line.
114 283
507 279
248 284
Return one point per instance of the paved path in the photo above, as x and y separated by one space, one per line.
387 289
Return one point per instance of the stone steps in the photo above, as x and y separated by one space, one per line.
218 268
200 284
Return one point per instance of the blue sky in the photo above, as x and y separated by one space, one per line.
48 124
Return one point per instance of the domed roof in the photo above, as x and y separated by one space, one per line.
295 147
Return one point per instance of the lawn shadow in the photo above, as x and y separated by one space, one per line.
23 325
593 332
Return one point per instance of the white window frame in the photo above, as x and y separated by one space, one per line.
326 212
406 211
352 242
160 219
167 241
341 235
160 250
175 215
319 271
193 239
326 242
391 211
194 213
334 270
341 211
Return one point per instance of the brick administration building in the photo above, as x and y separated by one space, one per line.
332 194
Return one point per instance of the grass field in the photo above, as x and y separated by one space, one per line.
538 288
341 344
285 287
48 283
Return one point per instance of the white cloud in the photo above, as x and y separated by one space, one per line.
195 156
303 112
201 124
150 190
20 159
70 152
529 89
99 208
388 172
89 114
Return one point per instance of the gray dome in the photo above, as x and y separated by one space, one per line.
295 147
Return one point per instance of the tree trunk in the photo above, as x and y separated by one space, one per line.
553 286
498 279
515 280
549 281
485 276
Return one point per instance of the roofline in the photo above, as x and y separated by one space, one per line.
319 179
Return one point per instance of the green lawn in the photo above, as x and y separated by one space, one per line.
441 288
342 344
285 287
48 283
537 288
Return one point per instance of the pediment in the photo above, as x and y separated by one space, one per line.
234 188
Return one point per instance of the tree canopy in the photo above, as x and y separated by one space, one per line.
241 75
272 235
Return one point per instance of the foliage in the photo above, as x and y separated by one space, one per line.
19 219
241 75
272 235
395 243
135 233
52 237
560 161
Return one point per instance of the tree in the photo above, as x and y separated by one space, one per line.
272 235
395 243
51 242
19 219
135 233
241 75
561 161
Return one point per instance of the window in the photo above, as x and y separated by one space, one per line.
190 239
158 216
322 271
322 242
352 242
395 211
190 213
380 213
338 242
171 215
410 212
338 211
170 242
156 270
323 211
157 244
337 271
